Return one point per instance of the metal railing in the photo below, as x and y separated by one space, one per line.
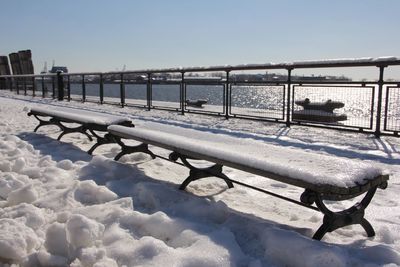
370 106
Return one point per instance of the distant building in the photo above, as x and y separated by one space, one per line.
56 69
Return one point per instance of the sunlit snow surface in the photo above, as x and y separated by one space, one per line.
62 207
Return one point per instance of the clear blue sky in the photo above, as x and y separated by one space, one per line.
100 35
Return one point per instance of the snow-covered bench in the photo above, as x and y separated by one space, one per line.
323 177
89 122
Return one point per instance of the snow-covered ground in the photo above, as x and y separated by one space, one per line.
60 206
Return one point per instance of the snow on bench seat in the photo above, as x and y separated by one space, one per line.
320 173
88 121
79 116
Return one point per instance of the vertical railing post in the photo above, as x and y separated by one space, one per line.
43 89
53 89
69 87
17 85
149 91
83 88
183 93
34 86
60 86
227 102
11 84
379 104
386 108
288 103
101 88
122 90
24 80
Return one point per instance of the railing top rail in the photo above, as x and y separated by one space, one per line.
330 63
29 75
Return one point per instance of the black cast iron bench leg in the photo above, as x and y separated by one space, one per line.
63 128
335 220
199 173
67 130
101 140
125 149
107 138
42 122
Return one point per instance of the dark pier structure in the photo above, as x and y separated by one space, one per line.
20 63
4 70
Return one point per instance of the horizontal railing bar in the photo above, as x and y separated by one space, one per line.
369 62
222 82
296 65
29 75
338 85
277 83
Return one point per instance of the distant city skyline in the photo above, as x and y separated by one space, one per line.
100 35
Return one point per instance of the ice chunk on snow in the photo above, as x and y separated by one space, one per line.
19 164
88 192
106 262
146 224
91 255
5 166
146 251
56 239
55 174
10 182
48 260
387 236
82 231
65 164
26 194
32 216
45 161
17 240
32 172
113 233
107 213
